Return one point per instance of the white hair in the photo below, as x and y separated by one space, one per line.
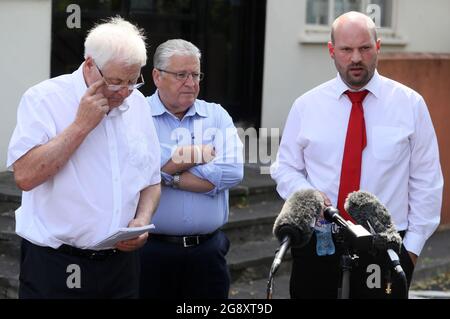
116 40
174 47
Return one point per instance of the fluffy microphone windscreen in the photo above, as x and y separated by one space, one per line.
298 215
366 208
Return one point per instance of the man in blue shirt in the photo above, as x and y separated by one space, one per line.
201 158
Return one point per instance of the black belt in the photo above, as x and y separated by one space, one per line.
87 253
185 241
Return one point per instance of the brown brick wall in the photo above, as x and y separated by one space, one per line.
428 74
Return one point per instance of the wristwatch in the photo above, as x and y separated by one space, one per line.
176 180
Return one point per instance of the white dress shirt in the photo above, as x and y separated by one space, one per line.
98 189
400 163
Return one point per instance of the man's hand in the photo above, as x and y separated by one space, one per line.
326 200
134 243
208 153
93 107
194 154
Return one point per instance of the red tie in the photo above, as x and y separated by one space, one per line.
355 142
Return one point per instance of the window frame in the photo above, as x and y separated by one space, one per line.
319 34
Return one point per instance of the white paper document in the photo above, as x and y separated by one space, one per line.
121 234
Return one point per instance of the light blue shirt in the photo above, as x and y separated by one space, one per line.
182 212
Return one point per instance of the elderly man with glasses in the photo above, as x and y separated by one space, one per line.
84 153
201 158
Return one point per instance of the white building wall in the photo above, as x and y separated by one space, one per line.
293 67
25 35
426 25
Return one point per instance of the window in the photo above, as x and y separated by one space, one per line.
320 14
323 12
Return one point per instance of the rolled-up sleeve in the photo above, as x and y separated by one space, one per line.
227 168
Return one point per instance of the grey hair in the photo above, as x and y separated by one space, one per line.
116 40
173 47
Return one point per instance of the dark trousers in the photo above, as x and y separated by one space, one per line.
49 273
171 271
320 277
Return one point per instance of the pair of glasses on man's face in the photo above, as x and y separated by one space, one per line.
183 76
118 87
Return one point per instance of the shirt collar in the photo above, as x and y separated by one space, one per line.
158 107
374 85
80 84
122 108
81 87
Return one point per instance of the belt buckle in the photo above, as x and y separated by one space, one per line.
186 244
102 254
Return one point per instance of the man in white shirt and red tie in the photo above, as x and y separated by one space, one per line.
360 130
85 153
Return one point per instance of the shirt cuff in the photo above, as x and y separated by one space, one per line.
414 242
209 172
166 178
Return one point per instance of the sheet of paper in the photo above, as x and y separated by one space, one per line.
120 235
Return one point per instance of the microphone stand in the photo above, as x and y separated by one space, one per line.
346 266
404 285
399 272
269 289
347 262
279 254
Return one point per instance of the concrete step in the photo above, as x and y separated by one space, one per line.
9 288
9 241
9 267
8 206
252 222
252 260
8 190
9 276
7 225
9 256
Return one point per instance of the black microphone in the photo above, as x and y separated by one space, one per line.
294 225
368 211
360 238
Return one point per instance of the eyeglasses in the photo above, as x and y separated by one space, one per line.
118 87
183 76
